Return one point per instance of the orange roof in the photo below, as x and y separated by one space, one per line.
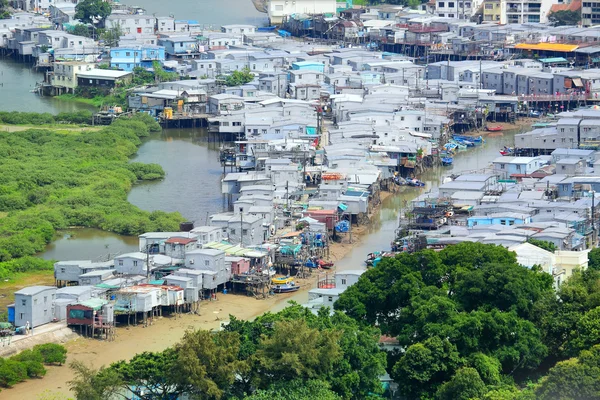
547 46
575 5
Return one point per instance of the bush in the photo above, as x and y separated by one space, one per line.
35 369
12 372
52 353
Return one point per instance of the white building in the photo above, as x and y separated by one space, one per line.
132 24
279 9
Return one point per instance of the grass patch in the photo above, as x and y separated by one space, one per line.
18 281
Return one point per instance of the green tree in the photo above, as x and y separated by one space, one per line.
92 11
543 244
295 351
91 384
52 353
353 375
425 366
207 363
296 390
12 372
466 384
574 379
111 35
241 77
4 12
564 17
594 259
148 375
80 30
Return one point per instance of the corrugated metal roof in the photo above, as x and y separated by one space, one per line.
547 46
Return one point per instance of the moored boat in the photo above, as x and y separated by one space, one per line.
447 161
286 288
282 280
497 128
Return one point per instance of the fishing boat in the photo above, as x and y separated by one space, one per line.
286 288
497 128
473 139
446 161
282 280
461 146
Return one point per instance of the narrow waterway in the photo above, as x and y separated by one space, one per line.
17 80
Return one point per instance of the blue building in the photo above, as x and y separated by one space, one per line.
176 46
308 66
127 58
508 219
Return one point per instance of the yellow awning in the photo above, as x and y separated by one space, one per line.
547 46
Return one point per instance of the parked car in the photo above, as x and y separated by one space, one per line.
534 114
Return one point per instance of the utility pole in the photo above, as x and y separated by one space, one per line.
241 226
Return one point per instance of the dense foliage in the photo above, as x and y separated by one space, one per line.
92 11
4 12
237 78
293 354
24 118
30 363
565 18
51 180
473 324
543 244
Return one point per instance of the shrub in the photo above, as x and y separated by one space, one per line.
52 353
12 372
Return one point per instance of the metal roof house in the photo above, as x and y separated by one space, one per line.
34 304
70 271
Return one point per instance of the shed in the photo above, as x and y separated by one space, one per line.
181 281
95 277
83 313
238 265
34 304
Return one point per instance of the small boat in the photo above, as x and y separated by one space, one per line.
326 264
287 288
473 139
446 161
497 128
507 151
282 280
415 183
461 146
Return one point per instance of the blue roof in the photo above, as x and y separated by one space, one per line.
553 60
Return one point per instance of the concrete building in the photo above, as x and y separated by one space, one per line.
34 305
494 11
132 24
277 10
530 11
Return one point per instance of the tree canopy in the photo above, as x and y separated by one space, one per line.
564 17
468 317
292 354
237 78
92 11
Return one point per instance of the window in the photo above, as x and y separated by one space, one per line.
451 4
62 270
244 231
45 299
23 302
330 299
343 281
511 222
121 263
232 231
502 222
147 22
502 166
127 54
135 263
401 118
206 263
441 4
